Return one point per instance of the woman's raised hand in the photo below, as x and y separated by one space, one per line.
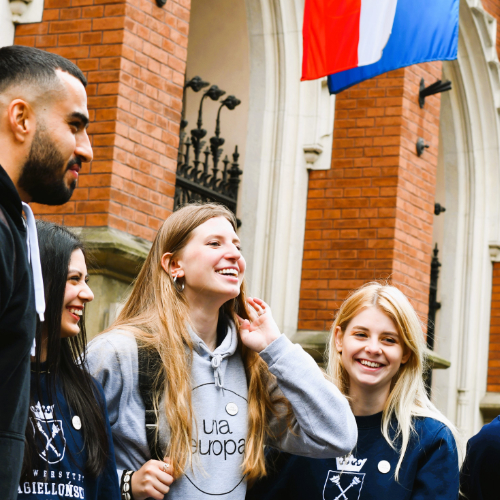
152 480
261 330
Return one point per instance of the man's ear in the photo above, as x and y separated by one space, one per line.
171 266
339 337
21 119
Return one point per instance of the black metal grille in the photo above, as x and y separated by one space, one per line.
201 174
434 307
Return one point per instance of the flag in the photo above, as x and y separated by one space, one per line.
355 40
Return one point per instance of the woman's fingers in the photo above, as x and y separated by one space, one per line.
258 304
151 492
152 480
166 474
160 486
253 310
261 303
257 308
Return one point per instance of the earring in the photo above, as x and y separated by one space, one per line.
178 285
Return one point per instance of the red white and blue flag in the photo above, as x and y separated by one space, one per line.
354 40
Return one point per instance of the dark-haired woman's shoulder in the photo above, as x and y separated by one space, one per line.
478 478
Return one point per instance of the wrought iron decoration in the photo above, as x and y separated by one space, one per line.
435 88
200 175
438 208
421 146
434 307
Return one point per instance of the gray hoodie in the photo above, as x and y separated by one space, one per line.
323 425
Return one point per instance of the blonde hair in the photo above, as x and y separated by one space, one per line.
157 314
408 397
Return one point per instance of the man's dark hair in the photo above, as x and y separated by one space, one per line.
26 65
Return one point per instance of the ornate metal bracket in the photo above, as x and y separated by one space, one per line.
435 88
200 177
421 146
438 209
434 307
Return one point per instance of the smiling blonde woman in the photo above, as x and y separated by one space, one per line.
227 381
406 449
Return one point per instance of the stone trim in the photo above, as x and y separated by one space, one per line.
114 252
490 406
495 251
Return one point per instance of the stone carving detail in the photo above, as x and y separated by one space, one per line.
487 28
18 8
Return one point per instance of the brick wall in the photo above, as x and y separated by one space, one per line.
493 383
134 56
370 215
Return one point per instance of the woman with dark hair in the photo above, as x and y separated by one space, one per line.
69 451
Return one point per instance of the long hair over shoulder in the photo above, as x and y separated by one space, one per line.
158 314
407 398
64 355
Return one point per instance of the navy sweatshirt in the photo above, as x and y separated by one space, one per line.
59 472
429 469
17 330
478 479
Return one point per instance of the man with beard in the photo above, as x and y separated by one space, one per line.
43 142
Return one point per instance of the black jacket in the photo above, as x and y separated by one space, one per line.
478 479
17 330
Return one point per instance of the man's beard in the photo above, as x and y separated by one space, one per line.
42 175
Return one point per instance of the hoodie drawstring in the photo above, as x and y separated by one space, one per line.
36 266
216 362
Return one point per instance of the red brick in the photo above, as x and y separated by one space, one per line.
134 94
374 171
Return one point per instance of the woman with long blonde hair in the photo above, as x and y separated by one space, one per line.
406 447
223 380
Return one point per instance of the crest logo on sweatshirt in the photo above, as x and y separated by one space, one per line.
53 443
346 482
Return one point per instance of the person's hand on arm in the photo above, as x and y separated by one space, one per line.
152 480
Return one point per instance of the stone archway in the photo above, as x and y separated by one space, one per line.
470 160
287 119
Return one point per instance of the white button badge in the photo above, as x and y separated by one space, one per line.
384 466
231 409
77 423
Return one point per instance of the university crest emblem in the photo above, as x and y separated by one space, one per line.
346 482
53 443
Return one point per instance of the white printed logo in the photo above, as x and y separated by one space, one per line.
345 483
54 445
